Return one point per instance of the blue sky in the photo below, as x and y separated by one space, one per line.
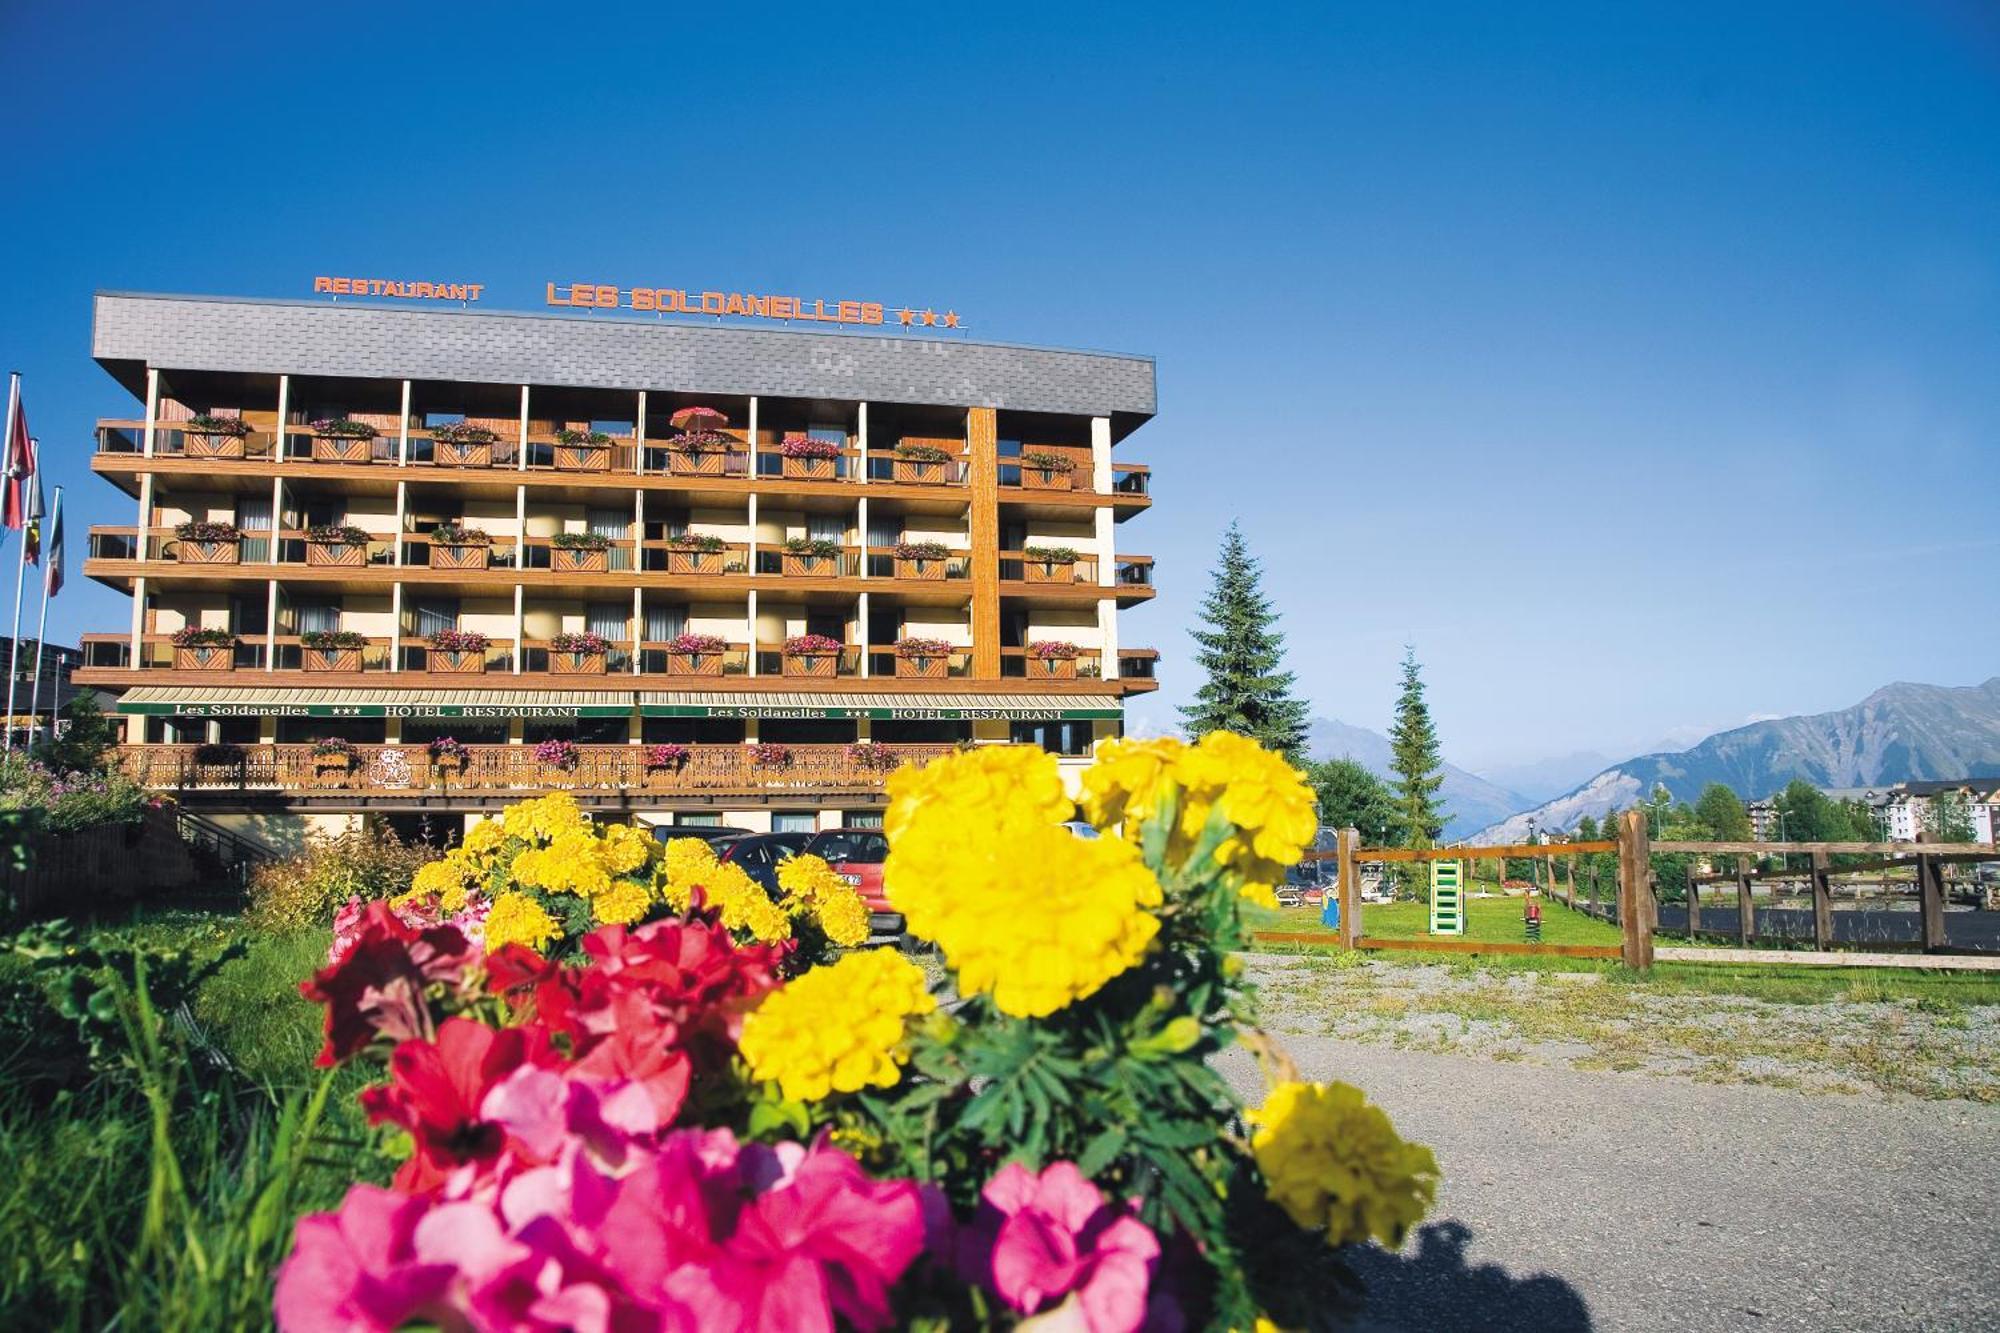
1636 363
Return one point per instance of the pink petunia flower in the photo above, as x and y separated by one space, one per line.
1051 1241
375 989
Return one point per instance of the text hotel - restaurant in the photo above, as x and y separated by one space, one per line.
419 561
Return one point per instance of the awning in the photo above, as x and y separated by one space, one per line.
880 707
249 701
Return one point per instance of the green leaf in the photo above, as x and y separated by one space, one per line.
1103 1150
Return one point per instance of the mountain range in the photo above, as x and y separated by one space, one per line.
1900 733
1470 800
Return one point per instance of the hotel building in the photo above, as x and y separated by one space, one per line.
694 573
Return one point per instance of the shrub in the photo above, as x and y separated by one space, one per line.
62 801
308 887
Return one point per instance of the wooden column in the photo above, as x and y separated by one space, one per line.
1822 900
1350 886
1930 902
1746 910
1635 890
983 441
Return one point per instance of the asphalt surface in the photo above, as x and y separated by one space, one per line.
1583 1200
1962 930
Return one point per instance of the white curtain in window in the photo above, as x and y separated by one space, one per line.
826 527
665 622
316 617
430 616
606 618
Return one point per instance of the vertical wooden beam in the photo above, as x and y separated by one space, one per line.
1822 900
1930 902
1635 891
1350 886
982 435
1746 910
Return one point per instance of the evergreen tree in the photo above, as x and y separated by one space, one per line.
1242 652
1413 745
1352 797
1721 814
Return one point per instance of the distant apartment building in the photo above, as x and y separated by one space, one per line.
694 572
1902 810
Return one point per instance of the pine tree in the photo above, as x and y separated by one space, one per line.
1242 653
1413 745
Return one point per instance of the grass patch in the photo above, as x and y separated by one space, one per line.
1489 920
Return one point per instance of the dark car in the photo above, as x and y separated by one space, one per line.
759 853
712 834
856 855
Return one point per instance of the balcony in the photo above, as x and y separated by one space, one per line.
390 769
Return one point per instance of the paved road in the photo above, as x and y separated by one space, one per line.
1583 1200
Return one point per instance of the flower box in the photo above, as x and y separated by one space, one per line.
190 552
583 457
697 463
926 568
461 453
460 557
1048 571
924 471
824 566
211 444
686 560
344 554
205 657
578 560
456 661
343 448
694 664
923 668
1051 668
331 659
812 664
1046 479
809 469
575 664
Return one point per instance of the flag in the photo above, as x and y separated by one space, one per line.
20 466
31 511
53 577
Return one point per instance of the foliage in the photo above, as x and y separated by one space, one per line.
1413 746
584 437
770 755
667 755
1948 817
584 644
88 745
306 888
457 534
337 534
464 432
921 550
1053 650
335 747
342 428
204 531
558 752
210 425
707 542
1349 796
459 641
872 755
803 645
696 645
1042 461
920 647
1244 689
797 445
194 636
686 1127
700 442
447 747
1051 555
1721 815
580 541
337 639
921 453
819 548
62 801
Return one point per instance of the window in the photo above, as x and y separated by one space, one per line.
826 527
699 819
861 819
607 619
316 617
794 821
1063 738
430 615
253 515
665 623
851 847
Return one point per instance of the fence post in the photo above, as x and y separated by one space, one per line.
1635 890
1349 885
1746 910
1693 905
1930 901
1822 900
1569 880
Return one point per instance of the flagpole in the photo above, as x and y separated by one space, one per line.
42 634
13 415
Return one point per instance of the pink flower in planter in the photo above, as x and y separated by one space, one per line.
1048 1241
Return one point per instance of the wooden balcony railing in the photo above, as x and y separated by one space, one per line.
386 769
1021 567
1088 664
661 555
773 660
883 563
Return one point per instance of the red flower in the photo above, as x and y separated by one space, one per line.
377 988
435 1089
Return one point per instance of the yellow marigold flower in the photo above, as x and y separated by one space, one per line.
1264 797
572 863
843 916
624 903
838 1028
812 887
684 863
518 919
447 879
484 839
626 849
743 904
1335 1164
540 820
1024 910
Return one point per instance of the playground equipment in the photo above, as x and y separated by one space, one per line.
1447 897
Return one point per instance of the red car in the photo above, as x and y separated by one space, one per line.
856 855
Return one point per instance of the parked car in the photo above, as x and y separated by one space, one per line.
759 853
856 855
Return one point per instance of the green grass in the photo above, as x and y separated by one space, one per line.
1489 920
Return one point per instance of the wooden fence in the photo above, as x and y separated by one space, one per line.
1638 892
77 872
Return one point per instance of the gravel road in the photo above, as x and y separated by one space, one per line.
1577 1199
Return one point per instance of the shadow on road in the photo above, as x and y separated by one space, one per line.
1435 1289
